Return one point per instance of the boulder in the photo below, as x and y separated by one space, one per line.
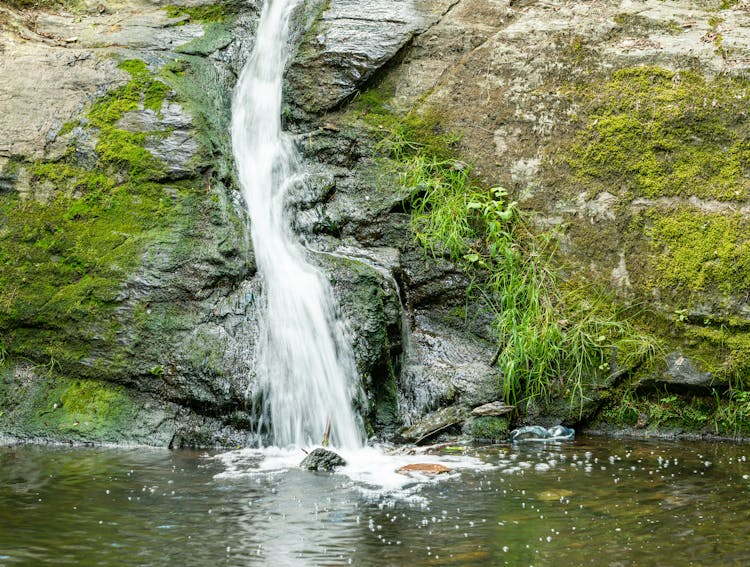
488 428
348 44
322 460
681 375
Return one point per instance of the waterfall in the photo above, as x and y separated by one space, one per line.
305 366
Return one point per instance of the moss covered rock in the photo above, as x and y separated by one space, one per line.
488 428
122 244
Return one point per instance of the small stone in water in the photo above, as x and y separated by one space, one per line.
431 469
322 460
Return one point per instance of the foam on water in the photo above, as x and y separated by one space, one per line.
370 471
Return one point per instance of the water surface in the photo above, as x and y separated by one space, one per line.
588 502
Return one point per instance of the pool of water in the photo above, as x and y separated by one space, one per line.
589 502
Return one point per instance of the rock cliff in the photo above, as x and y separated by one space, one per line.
127 289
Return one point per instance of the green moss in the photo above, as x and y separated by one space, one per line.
692 251
34 403
489 428
637 24
143 91
65 253
63 261
68 127
215 36
194 80
92 403
119 147
722 349
374 312
651 133
714 413
551 342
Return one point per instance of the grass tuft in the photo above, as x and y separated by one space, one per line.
554 338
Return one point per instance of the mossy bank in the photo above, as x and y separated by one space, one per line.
118 240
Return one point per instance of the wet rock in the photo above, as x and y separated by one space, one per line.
435 423
493 408
369 298
7 179
176 151
681 375
490 429
180 338
446 365
322 460
426 469
170 116
90 411
174 142
683 372
348 44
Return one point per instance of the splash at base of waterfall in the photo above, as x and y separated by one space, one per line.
371 471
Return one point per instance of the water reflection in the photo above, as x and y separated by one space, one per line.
592 502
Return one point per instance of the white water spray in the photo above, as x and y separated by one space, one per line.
305 364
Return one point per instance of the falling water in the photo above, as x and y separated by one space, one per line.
305 364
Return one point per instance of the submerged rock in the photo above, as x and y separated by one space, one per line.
322 460
429 469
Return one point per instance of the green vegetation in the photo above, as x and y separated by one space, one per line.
213 18
715 414
489 428
692 250
728 4
732 415
67 246
637 24
651 132
721 347
45 404
648 132
553 339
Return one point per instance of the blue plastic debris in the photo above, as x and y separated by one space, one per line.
538 433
